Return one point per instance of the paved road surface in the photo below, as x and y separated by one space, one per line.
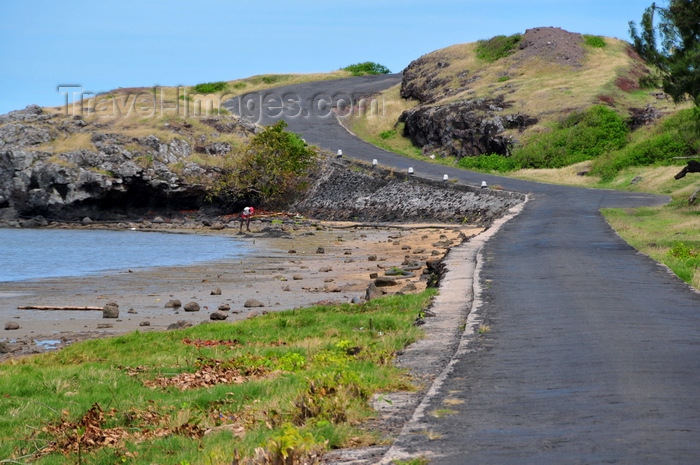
594 350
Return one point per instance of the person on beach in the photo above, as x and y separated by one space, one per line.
245 217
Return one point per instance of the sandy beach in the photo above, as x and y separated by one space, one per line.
303 265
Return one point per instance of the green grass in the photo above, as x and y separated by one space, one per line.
594 41
299 382
211 87
497 47
668 234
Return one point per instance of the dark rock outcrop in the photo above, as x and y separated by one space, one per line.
122 177
462 129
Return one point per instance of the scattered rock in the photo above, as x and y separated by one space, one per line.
132 311
224 307
11 325
408 287
216 291
297 277
325 269
291 251
384 281
331 288
180 324
373 292
372 258
373 275
4 348
218 316
105 326
173 303
145 323
111 310
191 307
250 303
320 250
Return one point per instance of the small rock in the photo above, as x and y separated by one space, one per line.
218 316
373 275
145 323
291 251
158 220
132 311
418 251
224 307
180 324
4 348
408 287
356 300
105 326
286 288
373 292
253 314
111 310
325 269
11 325
87 220
191 307
297 277
253 303
320 250
174 303
332 288
384 281
216 291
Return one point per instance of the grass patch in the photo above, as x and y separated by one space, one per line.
497 47
594 41
211 87
367 67
668 234
293 382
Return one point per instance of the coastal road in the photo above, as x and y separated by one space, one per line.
593 352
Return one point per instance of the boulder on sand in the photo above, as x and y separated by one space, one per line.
111 310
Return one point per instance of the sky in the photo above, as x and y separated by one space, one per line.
103 45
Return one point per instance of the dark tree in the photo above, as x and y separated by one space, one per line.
676 54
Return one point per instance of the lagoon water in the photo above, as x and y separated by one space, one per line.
47 253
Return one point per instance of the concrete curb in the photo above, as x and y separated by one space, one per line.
463 265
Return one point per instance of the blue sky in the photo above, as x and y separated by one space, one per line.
102 45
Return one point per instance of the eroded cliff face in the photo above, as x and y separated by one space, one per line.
463 129
119 176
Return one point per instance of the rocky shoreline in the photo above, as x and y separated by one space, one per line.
295 264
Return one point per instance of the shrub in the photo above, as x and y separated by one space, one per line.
487 163
269 169
594 41
675 137
270 79
582 136
367 67
504 78
497 47
210 87
387 134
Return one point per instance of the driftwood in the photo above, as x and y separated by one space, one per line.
53 307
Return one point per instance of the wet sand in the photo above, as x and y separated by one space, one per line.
266 274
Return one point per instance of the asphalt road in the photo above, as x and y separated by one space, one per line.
593 353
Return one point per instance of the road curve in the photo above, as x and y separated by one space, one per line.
593 352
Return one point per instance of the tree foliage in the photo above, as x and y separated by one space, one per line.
270 169
367 67
677 54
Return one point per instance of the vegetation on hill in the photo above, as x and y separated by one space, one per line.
367 67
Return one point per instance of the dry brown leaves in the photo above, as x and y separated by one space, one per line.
89 433
210 373
210 343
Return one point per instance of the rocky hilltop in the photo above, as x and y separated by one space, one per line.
468 103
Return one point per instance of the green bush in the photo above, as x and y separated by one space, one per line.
497 47
594 41
270 79
675 137
504 78
270 169
367 67
210 87
488 163
387 134
582 136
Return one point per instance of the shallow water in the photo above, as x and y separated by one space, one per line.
46 253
